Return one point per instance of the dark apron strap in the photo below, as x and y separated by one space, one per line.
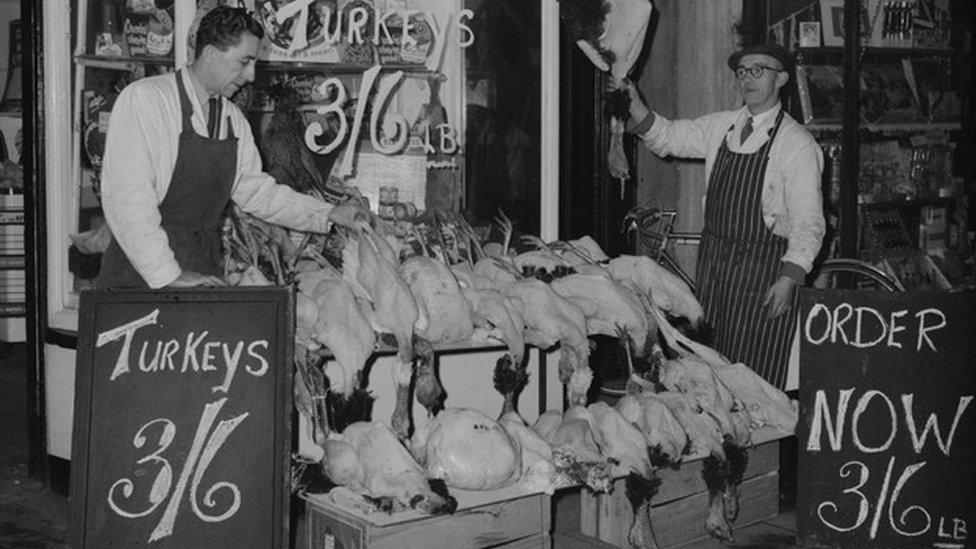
191 212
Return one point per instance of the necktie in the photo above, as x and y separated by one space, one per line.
746 131
213 127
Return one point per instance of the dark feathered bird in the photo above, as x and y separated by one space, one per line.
509 380
286 157
618 104
427 388
585 21
738 459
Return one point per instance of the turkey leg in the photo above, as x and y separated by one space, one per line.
509 380
715 472
427 388
402 374
640 490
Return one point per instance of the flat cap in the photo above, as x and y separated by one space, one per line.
775 51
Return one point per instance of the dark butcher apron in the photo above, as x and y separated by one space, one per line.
192 210
739 259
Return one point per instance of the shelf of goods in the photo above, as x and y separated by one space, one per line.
337 68
872 52
120 63
12 275
889 129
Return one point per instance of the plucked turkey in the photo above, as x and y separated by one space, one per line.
395 311
666 439
538 470
607 306
766 404
706 438
368 459
468 450
437 294
549 319
622 441
575 451
666 290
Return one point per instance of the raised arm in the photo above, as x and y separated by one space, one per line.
663 137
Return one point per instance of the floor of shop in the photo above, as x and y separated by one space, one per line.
33 517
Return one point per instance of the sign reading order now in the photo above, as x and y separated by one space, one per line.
887 430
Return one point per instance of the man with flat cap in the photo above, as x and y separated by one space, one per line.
764 221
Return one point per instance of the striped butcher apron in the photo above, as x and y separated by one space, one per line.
739 259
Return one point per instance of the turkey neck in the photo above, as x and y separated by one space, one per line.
401 410
715 523
641 533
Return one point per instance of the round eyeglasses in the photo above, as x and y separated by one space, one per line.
755 71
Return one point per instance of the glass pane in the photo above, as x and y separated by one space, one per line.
139 29
124 40
484 95
503 93
101 87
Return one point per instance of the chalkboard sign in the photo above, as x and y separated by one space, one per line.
887 431
182 418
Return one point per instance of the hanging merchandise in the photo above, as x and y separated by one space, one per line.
611 34
107 42
159 39
442 182
297 30
148 29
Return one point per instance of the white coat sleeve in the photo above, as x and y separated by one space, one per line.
258 194
804 204
128 182
681 138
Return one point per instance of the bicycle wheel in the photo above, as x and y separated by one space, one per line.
854 274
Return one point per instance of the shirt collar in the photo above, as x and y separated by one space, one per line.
189 80
188 83
764 119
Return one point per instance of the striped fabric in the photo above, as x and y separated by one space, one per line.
213 117
739 259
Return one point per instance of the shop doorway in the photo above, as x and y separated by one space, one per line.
591 202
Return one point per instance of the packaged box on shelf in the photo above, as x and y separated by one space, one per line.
509 518
932 230
915 271
11 217
12 202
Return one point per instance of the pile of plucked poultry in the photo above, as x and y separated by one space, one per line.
372 285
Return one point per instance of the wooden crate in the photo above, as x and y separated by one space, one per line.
679 509
504 518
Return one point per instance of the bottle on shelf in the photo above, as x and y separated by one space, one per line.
108 41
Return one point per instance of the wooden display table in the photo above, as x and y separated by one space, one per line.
512 518
679 509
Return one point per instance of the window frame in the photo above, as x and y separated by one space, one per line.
62 89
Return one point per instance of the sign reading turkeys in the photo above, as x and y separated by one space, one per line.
181 419
887 434
361 32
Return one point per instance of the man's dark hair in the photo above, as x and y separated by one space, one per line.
223 27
